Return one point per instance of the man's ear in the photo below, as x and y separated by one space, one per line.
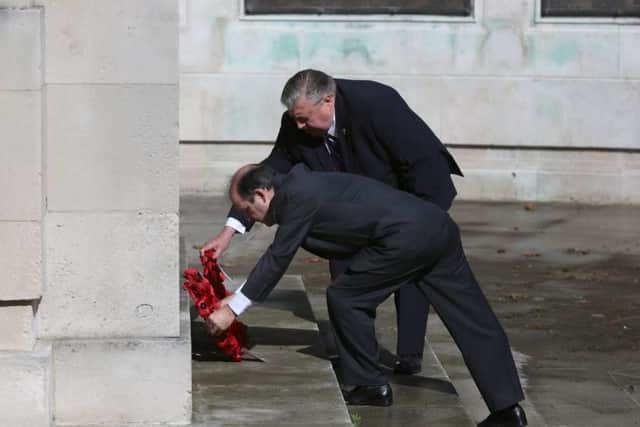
330 98
260 193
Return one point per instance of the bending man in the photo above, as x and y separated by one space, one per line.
390 240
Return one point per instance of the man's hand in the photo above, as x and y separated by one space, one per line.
220 320
220 243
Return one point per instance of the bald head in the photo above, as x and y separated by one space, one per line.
234 193
251 190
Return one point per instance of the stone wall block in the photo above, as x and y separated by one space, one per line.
571 52
202 21
118 41
20 47
218 107
16 328
630 188
585 187
496 185
20 163
208 168
110 275
488 111
230 107
545 112
629 57
112 147
24 388
598 113
20 260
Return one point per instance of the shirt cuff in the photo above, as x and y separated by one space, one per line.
239 302
236 225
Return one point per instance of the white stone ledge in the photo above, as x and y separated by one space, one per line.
500 174
16 328
20 260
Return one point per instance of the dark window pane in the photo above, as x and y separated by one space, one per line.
333 7
597 8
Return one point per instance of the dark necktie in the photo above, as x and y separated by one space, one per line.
334 151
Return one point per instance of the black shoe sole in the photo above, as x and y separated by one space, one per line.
378 402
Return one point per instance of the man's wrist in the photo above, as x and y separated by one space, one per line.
235 225
239 303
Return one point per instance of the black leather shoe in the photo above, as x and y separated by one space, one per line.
510 417
408 365
372 395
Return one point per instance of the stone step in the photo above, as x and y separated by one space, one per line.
124 381
295 385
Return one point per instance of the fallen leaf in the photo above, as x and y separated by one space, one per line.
531 254
312 260
530 207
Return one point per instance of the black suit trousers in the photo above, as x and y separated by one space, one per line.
439 270
412 311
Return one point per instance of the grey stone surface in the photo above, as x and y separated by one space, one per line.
21 162
25 382
124 381
112 147
20 260
16 328
104 41
94 291
20 46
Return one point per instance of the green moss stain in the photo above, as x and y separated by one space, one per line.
355 47
254 50
564 52
285 47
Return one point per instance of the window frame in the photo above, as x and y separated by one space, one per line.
590 20
476 9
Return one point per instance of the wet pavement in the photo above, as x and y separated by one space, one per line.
563 280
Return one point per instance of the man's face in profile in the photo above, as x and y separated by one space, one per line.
314 117
255 207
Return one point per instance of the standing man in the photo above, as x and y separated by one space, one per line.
365 128
392 240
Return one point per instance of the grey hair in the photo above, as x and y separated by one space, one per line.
311 84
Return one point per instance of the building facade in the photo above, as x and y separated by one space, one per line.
538 99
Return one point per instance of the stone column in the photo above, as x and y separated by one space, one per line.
24 365
90 313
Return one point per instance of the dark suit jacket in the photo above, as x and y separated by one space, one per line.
379 137
309 208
